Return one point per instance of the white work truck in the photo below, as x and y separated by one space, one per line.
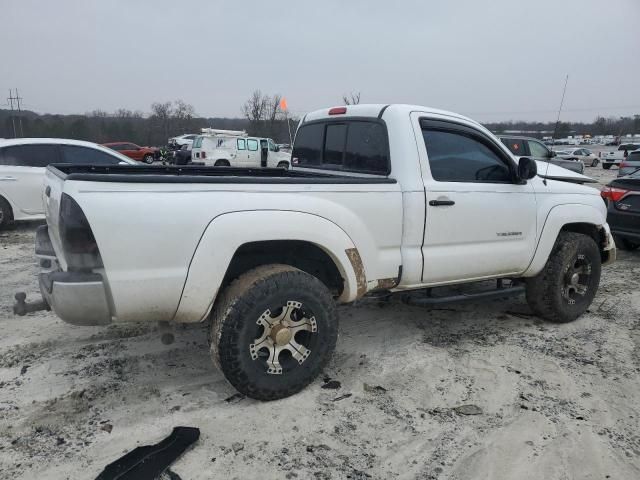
381 198
234 148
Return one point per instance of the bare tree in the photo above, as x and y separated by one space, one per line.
352 99
161 113
256 107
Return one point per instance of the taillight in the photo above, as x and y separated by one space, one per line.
337 111
613 194
203 155
79 244
623 164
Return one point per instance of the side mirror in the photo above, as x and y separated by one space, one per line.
527 168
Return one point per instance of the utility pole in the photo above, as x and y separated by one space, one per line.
18 98
13 118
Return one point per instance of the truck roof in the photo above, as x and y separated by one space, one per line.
378 109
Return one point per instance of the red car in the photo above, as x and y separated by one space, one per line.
131 150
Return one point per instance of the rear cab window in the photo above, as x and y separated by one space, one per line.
349 145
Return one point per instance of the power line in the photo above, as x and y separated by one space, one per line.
17 99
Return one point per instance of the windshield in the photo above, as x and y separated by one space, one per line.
197 142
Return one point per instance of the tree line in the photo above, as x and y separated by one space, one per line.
165 120
263 116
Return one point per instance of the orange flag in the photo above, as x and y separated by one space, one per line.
283 103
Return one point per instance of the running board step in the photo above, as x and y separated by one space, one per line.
425 300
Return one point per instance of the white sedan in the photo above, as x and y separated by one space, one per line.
589 158
22 165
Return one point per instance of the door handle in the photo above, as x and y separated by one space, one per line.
441 203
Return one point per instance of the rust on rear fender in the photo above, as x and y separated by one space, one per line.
358 268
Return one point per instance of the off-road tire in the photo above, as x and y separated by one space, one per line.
6 214
222 163
148 159
627 244
544 291
606 166
234 322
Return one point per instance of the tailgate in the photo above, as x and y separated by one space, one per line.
51 196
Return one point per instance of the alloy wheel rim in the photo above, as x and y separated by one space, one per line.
288 333
577 278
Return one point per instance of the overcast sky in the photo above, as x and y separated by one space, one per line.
492 60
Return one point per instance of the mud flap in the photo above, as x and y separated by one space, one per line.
150 461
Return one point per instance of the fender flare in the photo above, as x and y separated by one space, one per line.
558 217
229 231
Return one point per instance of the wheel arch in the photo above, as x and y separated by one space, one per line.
585 219
236 242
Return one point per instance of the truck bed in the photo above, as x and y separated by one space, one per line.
201 174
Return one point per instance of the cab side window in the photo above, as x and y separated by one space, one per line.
29 155
456 156
242 144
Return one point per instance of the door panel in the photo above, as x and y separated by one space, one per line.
479 221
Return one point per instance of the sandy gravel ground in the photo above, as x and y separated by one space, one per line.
545 401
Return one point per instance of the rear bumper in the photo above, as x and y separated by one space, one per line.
77 298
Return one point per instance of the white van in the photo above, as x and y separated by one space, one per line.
229 148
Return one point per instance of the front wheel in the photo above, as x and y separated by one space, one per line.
5 213
148 158
273 331
565 287
284 165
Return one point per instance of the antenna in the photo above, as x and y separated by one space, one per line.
555 129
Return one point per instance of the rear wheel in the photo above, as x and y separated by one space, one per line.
606 166
222 163
273 331
284 165
148 158
6 214
594 162
565 288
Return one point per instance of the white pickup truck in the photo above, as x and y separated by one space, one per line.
387 198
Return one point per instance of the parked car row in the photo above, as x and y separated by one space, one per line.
616 158
533 148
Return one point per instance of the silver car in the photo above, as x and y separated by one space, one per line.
630 164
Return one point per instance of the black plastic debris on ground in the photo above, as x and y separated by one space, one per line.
150 461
